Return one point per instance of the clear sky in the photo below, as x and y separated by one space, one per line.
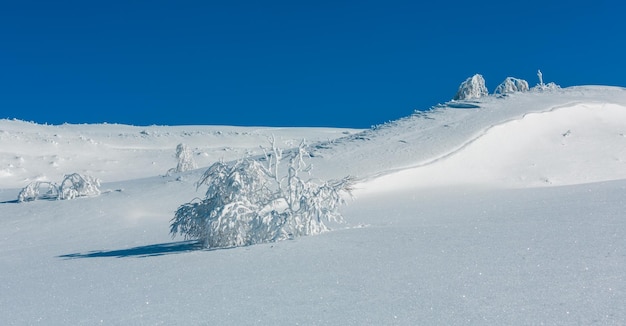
288 63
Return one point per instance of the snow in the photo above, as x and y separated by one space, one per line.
498 211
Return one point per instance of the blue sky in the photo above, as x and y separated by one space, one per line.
288 63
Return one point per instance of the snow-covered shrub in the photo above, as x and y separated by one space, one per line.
38 190
512 85
472 88
184 155
76 185
546 87
541 87
251 202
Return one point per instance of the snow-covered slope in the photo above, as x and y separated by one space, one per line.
522 139
498 211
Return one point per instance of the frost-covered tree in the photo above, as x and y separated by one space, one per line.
74 185
38 190
512 85
184 155
472 88
252 202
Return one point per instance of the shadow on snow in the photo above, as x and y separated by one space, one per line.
142 251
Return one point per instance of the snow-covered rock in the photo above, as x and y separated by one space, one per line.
472 88
512 85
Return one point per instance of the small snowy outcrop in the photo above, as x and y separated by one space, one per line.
472 88
512 85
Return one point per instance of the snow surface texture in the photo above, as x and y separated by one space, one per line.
495 211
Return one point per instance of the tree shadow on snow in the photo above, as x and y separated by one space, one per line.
142 251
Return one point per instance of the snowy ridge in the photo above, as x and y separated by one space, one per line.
427 137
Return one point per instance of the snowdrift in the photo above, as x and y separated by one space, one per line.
568 136
573 144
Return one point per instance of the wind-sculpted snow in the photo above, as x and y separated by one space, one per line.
573 144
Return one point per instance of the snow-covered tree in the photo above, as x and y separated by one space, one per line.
74 185
38 190
184 155
472 88
252 202
512 85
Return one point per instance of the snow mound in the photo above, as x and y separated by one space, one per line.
472 88
572 144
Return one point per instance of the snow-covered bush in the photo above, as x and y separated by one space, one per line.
184 155
546 87
541 87
38 190
74 185
251 202
512 85
472 88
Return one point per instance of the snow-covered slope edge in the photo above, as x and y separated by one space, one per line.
568 136
578 143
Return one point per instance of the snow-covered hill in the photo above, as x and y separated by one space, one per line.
496 211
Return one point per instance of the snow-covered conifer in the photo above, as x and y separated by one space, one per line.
472 88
